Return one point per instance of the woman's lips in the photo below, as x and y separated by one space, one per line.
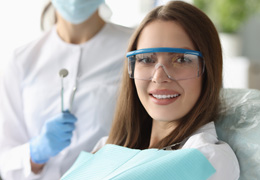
164 97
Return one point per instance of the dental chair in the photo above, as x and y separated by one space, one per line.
239 126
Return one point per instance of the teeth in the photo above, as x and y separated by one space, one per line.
165 96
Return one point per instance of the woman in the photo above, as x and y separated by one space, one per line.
39 139
171 99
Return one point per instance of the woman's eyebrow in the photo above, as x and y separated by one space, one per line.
186 48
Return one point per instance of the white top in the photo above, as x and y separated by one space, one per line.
30 95
219 153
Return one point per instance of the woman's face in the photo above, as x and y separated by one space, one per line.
169 108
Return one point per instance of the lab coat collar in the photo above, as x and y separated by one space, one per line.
207 128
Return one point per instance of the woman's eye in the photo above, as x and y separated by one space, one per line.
183 60
145 60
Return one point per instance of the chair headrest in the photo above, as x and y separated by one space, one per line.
239 126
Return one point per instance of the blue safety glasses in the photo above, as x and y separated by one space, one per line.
177 63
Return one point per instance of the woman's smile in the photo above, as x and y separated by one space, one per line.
163 96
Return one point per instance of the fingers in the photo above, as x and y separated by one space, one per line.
68 127
61 126
66 136
61 133
66 111
67 117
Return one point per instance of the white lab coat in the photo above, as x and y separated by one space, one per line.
30 95
219 153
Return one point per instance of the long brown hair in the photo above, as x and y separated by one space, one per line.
132 124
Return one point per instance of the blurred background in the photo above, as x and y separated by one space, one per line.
238 23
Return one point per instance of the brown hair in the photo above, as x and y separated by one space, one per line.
132 124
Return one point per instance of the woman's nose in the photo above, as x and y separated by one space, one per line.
160 74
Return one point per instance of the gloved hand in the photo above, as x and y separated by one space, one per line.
54 137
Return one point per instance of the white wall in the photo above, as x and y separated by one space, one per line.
20 23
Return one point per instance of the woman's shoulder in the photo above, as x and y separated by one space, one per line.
219 153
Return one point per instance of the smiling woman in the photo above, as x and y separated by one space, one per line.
172 26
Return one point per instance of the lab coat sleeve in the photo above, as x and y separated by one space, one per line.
14 151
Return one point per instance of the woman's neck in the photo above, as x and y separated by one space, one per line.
160 130
79 33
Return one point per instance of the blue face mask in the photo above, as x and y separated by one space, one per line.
76 11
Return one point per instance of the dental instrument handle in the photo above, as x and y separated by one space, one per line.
63 73
72 97
61 95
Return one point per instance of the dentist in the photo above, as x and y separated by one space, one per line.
37 139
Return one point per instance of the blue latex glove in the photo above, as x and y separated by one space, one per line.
54 137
